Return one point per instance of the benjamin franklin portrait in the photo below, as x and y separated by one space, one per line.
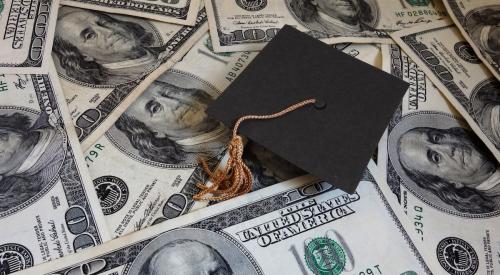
167 124
31 154
103 49
330 18
483 26
449 163
187 257
193 251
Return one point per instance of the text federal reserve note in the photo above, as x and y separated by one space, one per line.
441 175
170 11
479 22
105 61
26 34
302 226
48 208
239 25
145 167
449 61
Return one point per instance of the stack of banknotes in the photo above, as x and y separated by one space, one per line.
102 122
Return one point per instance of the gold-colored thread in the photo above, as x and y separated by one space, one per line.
236 179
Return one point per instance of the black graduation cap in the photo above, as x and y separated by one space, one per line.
332 139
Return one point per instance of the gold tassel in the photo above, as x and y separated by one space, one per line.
236 179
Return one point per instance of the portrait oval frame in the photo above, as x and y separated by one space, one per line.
235 254
477 105
181 79
430 119
469 23
148 26
34 115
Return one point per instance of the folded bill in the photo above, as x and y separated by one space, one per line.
48 208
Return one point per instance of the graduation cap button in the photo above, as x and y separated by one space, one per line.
320 104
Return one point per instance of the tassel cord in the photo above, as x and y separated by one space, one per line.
236 178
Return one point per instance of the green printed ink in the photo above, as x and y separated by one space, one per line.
418 3
325 257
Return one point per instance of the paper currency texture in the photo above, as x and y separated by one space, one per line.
304 226
238 25
48 208
450 63
479 22
145 167
441 175
27 32
105 61
170 11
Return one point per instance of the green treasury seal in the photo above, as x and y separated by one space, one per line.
1 6
325 257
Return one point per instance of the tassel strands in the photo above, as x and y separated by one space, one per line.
236 178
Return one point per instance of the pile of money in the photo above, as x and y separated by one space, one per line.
102 124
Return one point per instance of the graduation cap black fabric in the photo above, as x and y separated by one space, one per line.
334 141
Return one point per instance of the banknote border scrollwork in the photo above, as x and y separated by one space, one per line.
71 178
31 63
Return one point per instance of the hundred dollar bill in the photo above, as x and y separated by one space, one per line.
440 174
170 11
302 226
26 34
145 167
164 132
479 22
48 208
449 61
237 25
105 61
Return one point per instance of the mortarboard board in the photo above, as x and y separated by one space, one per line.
332 139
